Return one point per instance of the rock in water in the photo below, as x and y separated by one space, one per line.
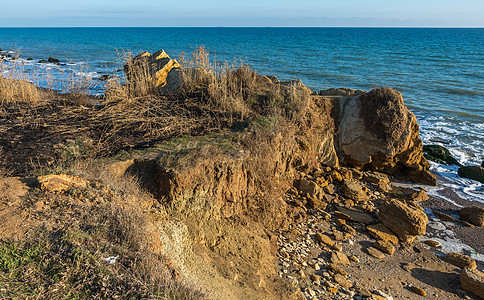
474 214
53 60
378 132
440 155
406 221
472 280
472 172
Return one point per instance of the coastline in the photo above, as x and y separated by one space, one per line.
212 176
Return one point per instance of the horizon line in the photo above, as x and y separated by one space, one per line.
221 26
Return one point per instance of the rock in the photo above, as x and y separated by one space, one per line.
317 204
339 258
419 196
338 269
378 132
329 189
418 290
431 243
61 183
315 277
440 155
53 60
406 221
384 246
472 172
353 190
347 228
42 61
324 239
336 176
460 260
380 232
375 253
444 217
341 280
473 281
327 153
376 178
354 259
30 58
164 72
473 214
310 187
354 215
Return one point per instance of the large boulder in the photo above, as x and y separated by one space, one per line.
162 71
472 280
378 132
406 221
472 172
473 214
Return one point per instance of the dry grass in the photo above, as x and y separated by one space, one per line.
64 254
14 86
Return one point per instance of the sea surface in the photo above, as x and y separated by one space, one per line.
439 71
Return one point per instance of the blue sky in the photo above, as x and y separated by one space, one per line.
422 13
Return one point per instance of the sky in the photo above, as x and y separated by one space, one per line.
259 13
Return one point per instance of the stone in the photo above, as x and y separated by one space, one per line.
380 232
329 189
341 280
378 132
104 77
336 176
375 252
347 228
61 183
354 259
310 187
53 60
353 190
354 215
473 214
376 178
324 239
431 243
42 61
444 216
419 196
460 260
338 269
315 277
384 246
406 221
164 72
473 281
339 258
418 290
326 151
440 154
317 204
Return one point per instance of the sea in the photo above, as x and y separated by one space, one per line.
439 71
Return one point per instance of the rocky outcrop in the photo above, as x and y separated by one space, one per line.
162 71
473 214
406 221
472 172
376 131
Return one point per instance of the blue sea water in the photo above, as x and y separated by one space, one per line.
439 71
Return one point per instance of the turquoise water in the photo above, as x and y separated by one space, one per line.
440 72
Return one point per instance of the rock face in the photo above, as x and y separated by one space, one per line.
474 214
406 221
378 132
472 172
473 281
164 72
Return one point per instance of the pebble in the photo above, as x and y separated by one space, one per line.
419 291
